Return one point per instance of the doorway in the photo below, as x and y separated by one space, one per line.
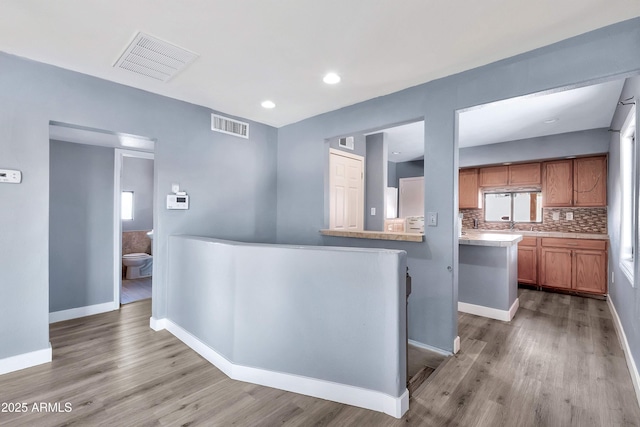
134 206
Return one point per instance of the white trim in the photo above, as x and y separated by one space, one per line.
430 348
342 393
157 324
492 313
25 360
89 310
456 345
117 222
631 364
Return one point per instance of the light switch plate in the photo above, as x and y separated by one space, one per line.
432 219
175 188
373 211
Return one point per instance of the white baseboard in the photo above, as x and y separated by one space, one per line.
89 310
492 313
631 364
430 348
157 324
456 345
26 360
342 393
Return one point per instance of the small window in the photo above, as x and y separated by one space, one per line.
127 206
516 207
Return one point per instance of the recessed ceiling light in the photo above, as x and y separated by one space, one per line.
268 104
396 152
552 120
331 79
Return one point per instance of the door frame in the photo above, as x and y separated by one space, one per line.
119 156
361 159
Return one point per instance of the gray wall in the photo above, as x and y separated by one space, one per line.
205 163
594 141
80 225
376 181
137 176
604 53
624 296
411 169
359 144
280 308
392 179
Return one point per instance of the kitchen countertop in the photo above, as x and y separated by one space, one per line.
490 239
376 235
557 234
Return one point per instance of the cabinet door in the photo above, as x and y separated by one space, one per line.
494 176
527 264
590 271
468 190
525 174
555 269
590 181
557 183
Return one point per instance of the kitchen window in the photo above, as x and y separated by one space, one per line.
524 206
628 168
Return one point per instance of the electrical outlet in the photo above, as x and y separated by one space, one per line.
569 216
175 188
373 211
555 215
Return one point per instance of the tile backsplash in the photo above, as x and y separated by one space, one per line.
585 220
136 242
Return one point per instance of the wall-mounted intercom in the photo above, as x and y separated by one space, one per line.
10 176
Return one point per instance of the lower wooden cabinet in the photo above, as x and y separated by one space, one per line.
574 264
528 261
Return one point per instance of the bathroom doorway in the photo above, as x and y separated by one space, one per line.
134 201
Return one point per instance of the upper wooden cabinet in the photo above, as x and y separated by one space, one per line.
469 195
512 175
590 181
557 183
578 182
525 174
494 176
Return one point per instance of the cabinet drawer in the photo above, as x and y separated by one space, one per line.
527 241
574 243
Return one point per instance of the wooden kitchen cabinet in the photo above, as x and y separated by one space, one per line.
494 176
525 174
574 264
557 183
578 182
469 195
528 260
590 181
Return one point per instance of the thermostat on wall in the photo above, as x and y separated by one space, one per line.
10 176
178 201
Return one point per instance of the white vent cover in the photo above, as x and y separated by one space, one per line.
346 142
154 58
230 126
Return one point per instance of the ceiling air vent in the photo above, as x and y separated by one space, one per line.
154 58
230 126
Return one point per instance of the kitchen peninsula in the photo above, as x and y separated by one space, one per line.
488 274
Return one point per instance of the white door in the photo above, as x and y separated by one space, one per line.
411 197
346 183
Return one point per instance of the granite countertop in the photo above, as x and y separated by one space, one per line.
376 235
490 239
557 234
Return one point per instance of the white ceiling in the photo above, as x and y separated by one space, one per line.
589 107
253 50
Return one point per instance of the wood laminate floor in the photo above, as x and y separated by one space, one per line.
135 290
558 363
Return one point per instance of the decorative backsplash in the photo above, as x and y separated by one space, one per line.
585 220
134 242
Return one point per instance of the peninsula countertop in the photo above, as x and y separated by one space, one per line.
490 239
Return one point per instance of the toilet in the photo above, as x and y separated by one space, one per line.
138 265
